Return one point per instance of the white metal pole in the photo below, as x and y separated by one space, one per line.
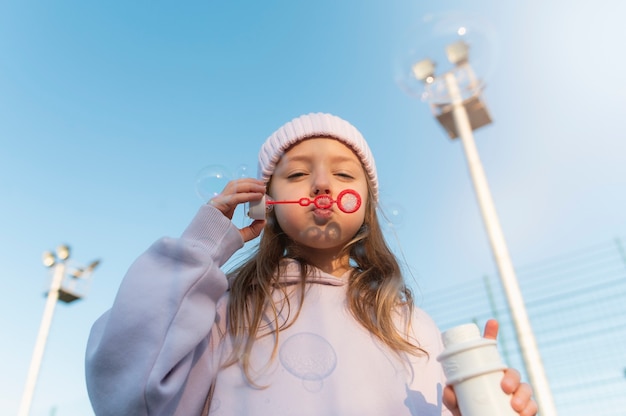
525 336
40 345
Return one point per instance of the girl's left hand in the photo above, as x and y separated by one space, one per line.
521 401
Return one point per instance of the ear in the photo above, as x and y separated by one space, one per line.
272 222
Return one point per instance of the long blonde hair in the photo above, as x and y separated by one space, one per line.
376 289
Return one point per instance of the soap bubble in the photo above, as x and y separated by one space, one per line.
430 37
309 357
215 404
211 180
323 201
349 201
392 215
243 171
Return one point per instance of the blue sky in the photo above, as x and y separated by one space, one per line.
109 111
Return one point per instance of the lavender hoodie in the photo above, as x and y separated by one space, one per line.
159 348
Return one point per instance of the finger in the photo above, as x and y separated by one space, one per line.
510 381
228 202
247 185
252 231
491 329
522 400
531 409
237 192
449 400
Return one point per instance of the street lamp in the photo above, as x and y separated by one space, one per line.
456 101
65 287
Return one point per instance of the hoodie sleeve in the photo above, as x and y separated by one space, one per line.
429 379
152 353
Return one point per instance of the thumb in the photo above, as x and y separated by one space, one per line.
491 329
252 231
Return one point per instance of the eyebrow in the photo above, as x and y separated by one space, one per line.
332 158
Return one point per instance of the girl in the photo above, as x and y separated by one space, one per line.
317 322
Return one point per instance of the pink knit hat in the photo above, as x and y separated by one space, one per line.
316 125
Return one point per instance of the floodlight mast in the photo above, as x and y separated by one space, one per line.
459 116
57 292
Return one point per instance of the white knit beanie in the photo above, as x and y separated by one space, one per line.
316 125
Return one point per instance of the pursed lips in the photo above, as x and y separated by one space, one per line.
323 213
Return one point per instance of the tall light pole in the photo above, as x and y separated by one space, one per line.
462 111
63 287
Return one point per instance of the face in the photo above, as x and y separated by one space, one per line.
313 167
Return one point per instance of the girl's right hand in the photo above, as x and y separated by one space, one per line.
238 192
521 402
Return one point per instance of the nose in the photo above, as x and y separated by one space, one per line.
321 192
321 184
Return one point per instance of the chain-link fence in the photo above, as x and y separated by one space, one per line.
577 306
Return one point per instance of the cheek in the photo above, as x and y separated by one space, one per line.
360 220
285 216
362 212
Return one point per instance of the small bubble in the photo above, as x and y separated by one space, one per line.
215 405
211 180
312 385
393 215
243 171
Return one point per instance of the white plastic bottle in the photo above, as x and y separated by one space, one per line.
257 210
474 368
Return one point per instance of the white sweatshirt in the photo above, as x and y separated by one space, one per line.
158 349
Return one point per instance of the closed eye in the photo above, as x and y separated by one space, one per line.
345 175
296 175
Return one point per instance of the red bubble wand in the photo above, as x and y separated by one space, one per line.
347 201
